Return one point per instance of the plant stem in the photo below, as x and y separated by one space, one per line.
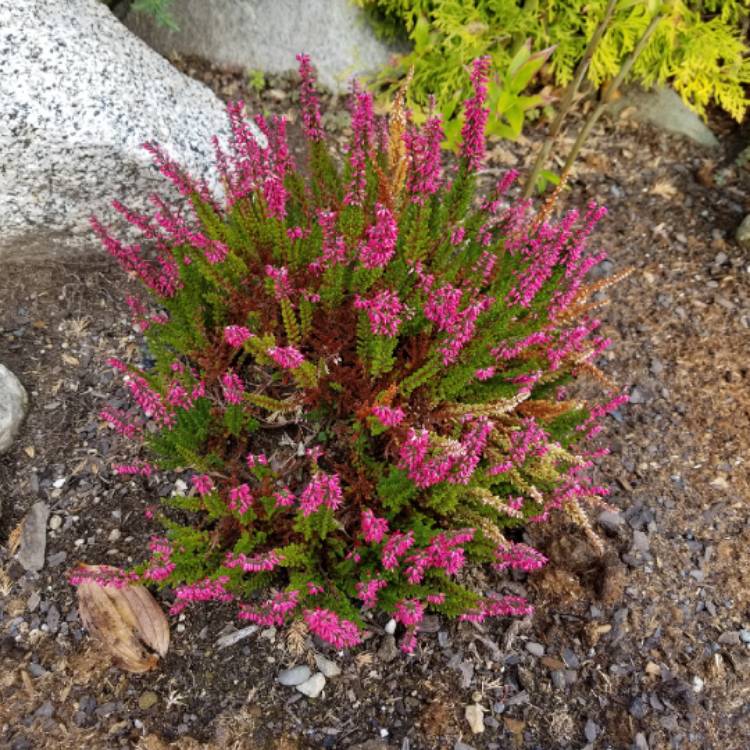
602 105
568 97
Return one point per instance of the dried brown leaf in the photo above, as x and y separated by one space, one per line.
122 620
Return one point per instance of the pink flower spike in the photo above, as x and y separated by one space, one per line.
472 133
373 528
380 244
287 357
236 335
203 484
323 489
241 499
329 627
390 417
309 100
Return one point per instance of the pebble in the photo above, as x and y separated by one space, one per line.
53 619
535 649
475 717
56 559
33 602
114 535
640 741
45 711
388 650
147 699
55 523
611 521
591 730
327 667
313 687
570 658
34 538
558 679
730 638
745 635
638 708
36 670
294 676
390 627
641 541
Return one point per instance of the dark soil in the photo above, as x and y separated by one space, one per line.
643 647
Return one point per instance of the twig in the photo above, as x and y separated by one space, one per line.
619 78
567 101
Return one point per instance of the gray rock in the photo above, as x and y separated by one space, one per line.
294 676
730 638
611 521
33 538
312 687
327 667
13 405
745 635
45 711
640 742
267 34
53 619
591 730
570 658
388 650
33 602
742 235
535 649
662 107
79 96
641 541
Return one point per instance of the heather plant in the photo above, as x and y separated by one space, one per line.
363 368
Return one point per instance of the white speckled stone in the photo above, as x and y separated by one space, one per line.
79 94
267 34
13 405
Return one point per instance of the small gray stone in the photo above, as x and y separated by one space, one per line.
640 742
56 559
730 638
535 649
611 521
312 687
558 679
13 405
36 670
638 708
34 538
294 676
591 730
388 650
745 635
45 711
390 627
327 667
33 602
742 234
53 619
641 541
569 657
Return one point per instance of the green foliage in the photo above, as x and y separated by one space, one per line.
159 10
698 47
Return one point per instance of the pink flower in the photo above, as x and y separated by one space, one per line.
236 335
519 557
389 416
262 562
380 244
367 591
498 606
397 546
323 489
373 528
203 484
284 498
232 387
475 113
424 176
309 100
484 373
205 590
272 612
241 499
281 285
287 357
383 310
256 459
329 627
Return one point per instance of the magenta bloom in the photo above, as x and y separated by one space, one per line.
232 388
287 357
203 483
367 591
373 528
323 489
329 627
384 311
472 133
240 498
389 416
309 100
381 239
236 335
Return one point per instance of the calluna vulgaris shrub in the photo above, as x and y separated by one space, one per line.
365 372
